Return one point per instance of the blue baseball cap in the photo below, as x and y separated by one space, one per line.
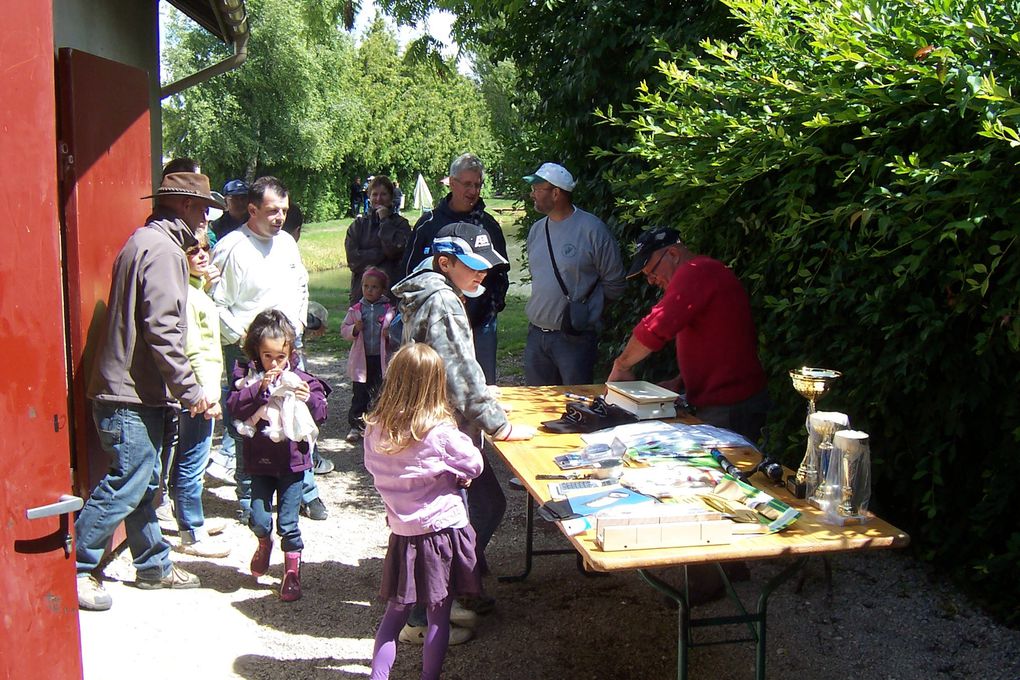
235 187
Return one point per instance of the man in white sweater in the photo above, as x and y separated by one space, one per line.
260 268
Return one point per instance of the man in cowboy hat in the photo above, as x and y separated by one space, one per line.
140 375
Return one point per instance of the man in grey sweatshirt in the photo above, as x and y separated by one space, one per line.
572 257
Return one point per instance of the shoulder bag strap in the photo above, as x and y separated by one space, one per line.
552 258
556 270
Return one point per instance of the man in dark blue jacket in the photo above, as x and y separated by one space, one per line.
464 204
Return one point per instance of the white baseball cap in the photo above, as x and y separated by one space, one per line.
554 174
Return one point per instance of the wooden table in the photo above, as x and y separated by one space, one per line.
809 535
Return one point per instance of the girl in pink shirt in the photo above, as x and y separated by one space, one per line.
420 463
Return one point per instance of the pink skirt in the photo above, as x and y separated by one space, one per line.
429 568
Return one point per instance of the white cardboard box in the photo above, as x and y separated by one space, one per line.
645 400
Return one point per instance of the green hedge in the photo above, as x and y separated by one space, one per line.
856 164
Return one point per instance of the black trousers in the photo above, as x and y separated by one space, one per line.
365 392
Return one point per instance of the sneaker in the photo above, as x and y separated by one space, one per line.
323 466
165 513
214 526
462 617
315 509
415 635
176 578
355 435
92 596
204 547
481 604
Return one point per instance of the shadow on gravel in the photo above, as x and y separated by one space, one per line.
257 667
338 600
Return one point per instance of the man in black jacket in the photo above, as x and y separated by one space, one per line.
464 204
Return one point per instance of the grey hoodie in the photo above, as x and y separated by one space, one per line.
434 314
140 358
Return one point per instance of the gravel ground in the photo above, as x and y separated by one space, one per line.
883 615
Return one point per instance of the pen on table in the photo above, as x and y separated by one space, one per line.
578 397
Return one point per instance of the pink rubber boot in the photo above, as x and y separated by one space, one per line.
290 589
260 560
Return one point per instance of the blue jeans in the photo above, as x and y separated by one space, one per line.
188 471
557 358
485 349
132 436
309 490
287 489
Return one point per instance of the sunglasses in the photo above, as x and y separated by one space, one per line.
190 252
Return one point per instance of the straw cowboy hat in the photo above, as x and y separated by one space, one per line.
190 184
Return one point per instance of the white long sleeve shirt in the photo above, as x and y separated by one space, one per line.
257 274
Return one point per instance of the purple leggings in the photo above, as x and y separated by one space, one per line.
437 638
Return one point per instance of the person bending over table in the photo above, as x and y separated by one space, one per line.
706 310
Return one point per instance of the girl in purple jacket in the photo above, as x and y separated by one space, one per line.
277 408
420 462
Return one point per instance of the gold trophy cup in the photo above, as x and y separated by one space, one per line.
812 384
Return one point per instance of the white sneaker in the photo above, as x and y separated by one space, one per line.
415 635
355 435
205 547
462 617
164 512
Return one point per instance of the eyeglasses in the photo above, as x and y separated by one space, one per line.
191 252
477 186
650 271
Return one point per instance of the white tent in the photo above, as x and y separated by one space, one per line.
422 195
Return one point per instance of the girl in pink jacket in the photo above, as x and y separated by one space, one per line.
420 462
367 325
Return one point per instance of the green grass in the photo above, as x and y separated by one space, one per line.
322 249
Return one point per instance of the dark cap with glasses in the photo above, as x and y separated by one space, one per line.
650 241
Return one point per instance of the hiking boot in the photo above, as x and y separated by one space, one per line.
260 560
176 578
315 509
290 589
415 635
92 596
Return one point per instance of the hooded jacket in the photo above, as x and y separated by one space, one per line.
434 314
484 308
141 357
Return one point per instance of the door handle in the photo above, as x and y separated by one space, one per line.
66 504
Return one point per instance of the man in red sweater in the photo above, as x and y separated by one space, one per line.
706 310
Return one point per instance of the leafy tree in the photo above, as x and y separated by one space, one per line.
855 163
569 57
315 109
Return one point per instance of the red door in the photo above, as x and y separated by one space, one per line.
38 603
105 170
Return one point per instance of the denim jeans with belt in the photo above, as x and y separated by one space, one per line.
287 489
188 471
558 358
132 436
